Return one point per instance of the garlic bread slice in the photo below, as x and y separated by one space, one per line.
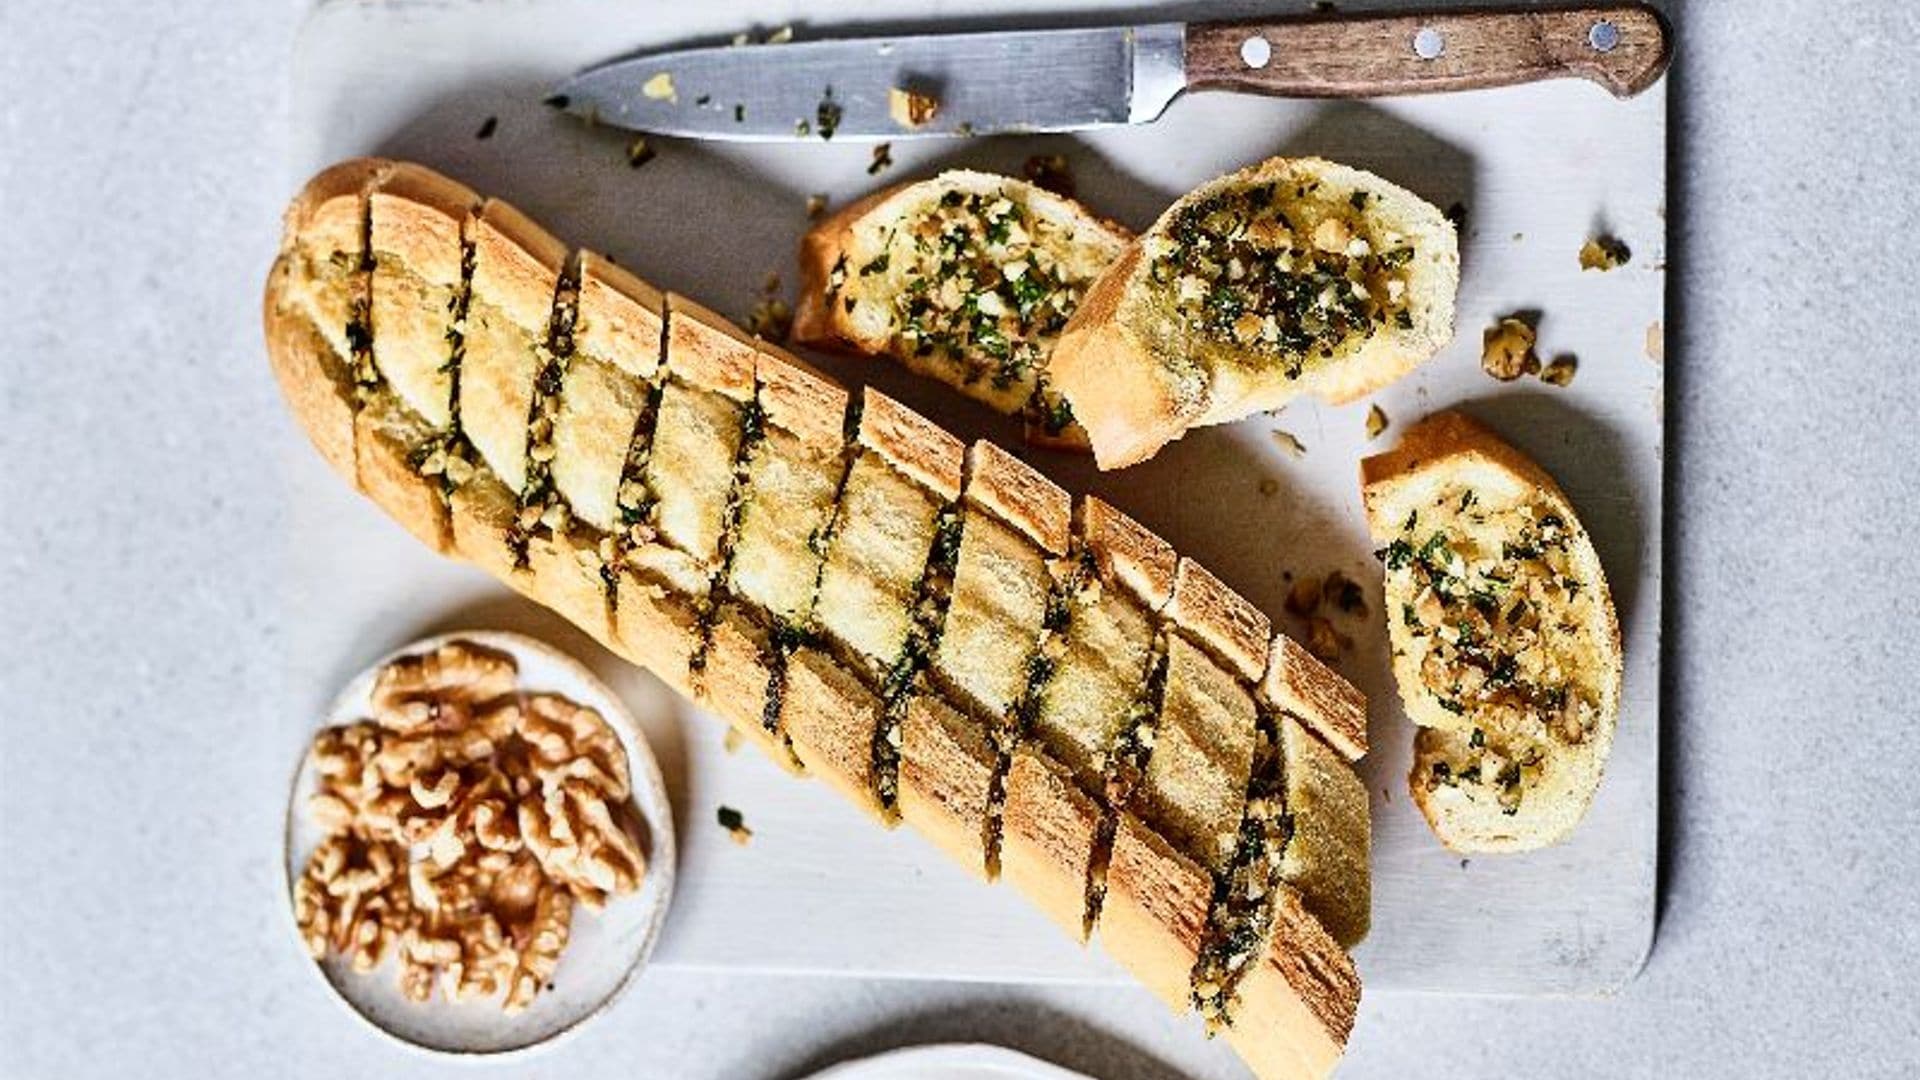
967 277
1505 643
1292 276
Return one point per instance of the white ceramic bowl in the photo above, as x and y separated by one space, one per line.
604 951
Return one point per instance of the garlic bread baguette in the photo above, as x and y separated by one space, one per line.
1047 692
1292 276
967 277
1505 643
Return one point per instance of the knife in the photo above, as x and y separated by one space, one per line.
1072 79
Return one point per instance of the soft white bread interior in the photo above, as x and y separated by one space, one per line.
1292 276
966 277
1506 647
1046 692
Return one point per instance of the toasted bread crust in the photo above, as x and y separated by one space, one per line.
1127 552
1220 619
735 681
622 319
1299 684
314 381
1296 1004
515 264
799 399
1047 838
418 216
913 444
668 602
1154 920
1019 496
385 473
946 771
708 352
1125 363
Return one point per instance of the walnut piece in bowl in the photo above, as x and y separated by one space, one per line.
479 845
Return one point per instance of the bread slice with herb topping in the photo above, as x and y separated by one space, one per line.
967 277
1505 643
1292 276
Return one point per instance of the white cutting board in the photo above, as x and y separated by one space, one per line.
821 889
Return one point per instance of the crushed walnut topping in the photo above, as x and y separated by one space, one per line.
1604 253
911 108
464 820
1497 624
1284 274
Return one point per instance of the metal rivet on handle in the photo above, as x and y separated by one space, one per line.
1603 36
1428 44
1255 52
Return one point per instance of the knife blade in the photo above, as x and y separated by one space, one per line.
1073 79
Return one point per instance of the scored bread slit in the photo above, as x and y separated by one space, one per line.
1126 763
1243 892
1100 647
1017 523
905 676
803 628
788 492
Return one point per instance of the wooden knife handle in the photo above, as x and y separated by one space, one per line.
1623 47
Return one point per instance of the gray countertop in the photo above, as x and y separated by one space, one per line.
141 156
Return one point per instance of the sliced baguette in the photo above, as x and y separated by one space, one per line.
1242 297
1517 716
865 599
877 280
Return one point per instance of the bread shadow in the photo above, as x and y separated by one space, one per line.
1366 136
1010 1020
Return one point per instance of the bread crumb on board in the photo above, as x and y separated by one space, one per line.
1376 421
640 151
816 205
1286 441
735 825
1656 345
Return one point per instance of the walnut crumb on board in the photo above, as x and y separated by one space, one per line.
487 128
882 159
911 108
1506 350
1269 487
1304 598
816 206
1325 642
639 152
1604 253
1560 370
